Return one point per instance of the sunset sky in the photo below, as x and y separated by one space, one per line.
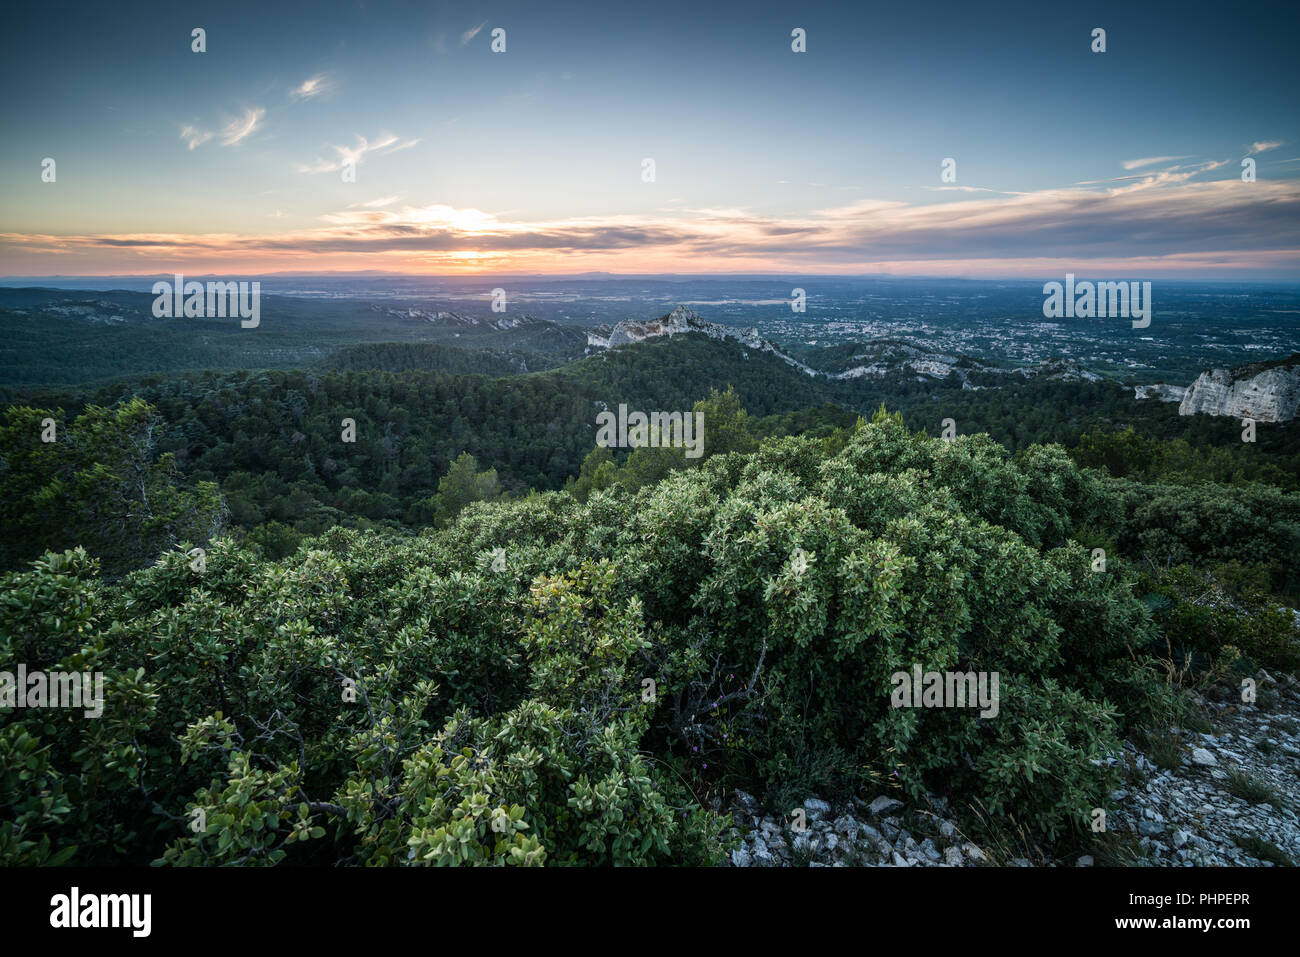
1124 163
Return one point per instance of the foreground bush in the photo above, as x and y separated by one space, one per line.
560 681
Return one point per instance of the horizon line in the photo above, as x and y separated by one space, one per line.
598 275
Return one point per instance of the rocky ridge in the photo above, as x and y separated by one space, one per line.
1160 392
889 357
501 323
885 359
938 365
1269 394
683 320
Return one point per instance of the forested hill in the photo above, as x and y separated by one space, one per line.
429 356
273 441
53 337
501 588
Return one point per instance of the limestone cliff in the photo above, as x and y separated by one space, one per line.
1268 392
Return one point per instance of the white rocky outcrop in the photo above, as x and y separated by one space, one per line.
1160 392
500 323
890 357
1062 369
903 357
1268 395
683 320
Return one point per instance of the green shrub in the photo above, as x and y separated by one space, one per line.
576 698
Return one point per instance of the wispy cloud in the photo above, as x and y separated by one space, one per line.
1262 146
471 33
375 203
387 143
962 189
1172 176
1164 177
233 131
1150 161
1150 227
194 137
312 87
241 127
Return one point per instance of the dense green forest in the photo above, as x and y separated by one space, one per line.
59 337
472 635
273 441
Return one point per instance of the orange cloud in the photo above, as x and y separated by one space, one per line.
1158 224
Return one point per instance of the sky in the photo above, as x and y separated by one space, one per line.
235 161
